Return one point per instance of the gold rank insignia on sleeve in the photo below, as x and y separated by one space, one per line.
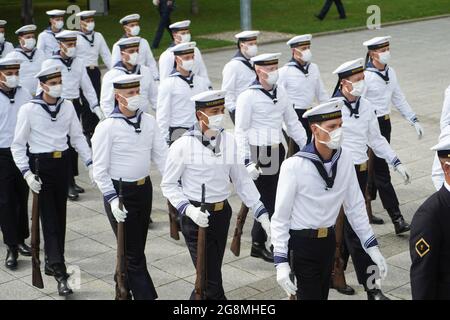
422 247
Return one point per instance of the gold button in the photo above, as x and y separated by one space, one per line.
218 206
57 154
322 232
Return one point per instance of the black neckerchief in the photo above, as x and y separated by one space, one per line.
29 57
91 42
40 101
2 47
309 152
353 111
240 57
10 94
67 63
189 80
195 131
371 68
120 66
294 63
257 85
136 125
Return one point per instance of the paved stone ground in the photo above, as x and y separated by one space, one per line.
420 56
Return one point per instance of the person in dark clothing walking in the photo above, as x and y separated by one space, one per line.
165 8
326 7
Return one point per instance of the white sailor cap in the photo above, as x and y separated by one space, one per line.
183 48
3 23
266 59
180 25
248 35
350 68
56 13
130 42
127 81
377 42
49 73
30 28
130 18
67 35
297 41
8 63
86 14
326 111
209 99
443 147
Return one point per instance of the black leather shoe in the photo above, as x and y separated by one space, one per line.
63 287
72 194
24 250
260 251
11 258
400 225
49 270
347 290
376 294
78 188
376 220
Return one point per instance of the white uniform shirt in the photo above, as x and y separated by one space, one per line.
304 202
30 66
47 42
174 107
148 88
8 115
167 63
259 120
145 57
74 78
445 115
237 75
194 164
5 48
120 152
437 174
381 95
302 89
91 46
365 131
35 127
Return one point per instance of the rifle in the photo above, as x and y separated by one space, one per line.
337 275
35 237
173 216
242 215
369 186
292 273
121 266
200 281
291 147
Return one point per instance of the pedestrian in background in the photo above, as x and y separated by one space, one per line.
326 7
165 8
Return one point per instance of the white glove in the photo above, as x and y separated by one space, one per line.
200 218
419 129
91 173
120 215
283 272
378 259
253 171
401 169
265 223
99 113
33 181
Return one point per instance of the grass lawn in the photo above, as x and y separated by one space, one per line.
291 16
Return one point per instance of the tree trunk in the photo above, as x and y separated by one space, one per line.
194 7
27 12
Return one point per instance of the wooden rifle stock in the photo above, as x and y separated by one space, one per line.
173 216
35 237
200 281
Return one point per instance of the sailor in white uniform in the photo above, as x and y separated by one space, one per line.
46 39
5 46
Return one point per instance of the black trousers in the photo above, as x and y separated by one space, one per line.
326 7
53 205
305 124
13 201
313 263
137 200
216 240
164 23
88 119
382 176
361 260
270 160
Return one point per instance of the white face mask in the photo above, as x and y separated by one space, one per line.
2 37
59 25
358 88
70 52
336 138
29 43
272 77
90 26
134 31
133 58
11 81
187 64
134 102
251 51
185 37
214 122
384 57
306 55
55 91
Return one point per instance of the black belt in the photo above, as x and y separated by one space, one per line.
361 167
139 182
50 155
314 233
211 207
5 151
386 117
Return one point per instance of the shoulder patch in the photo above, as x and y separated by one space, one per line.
422 247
